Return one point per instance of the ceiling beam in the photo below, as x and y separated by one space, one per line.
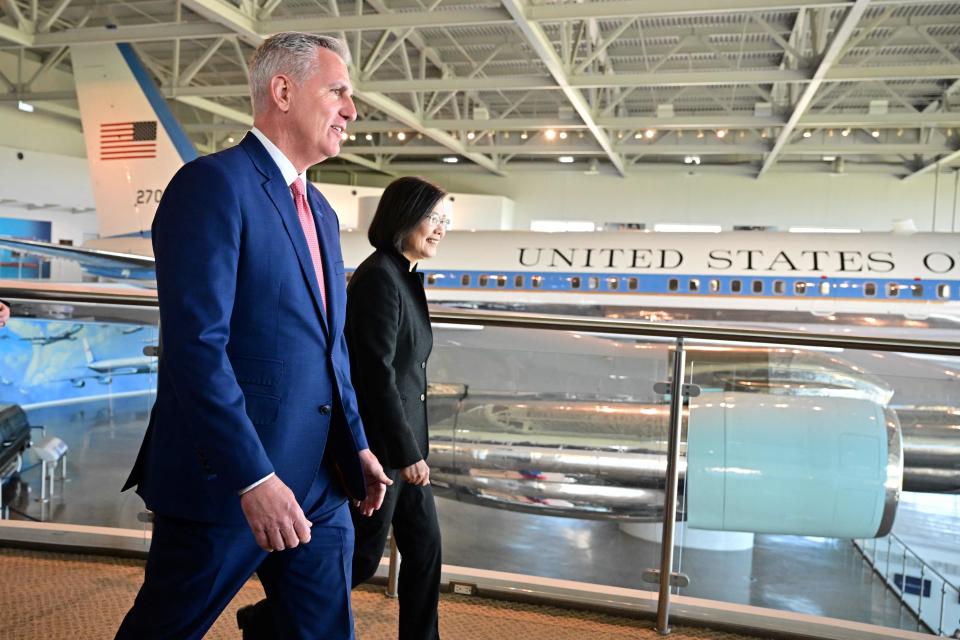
133 34
832 55
16 36
935 165
386 21
544 48
229 16
403 115
671 148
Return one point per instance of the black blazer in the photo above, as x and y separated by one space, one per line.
389 337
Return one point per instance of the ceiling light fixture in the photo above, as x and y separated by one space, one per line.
565 159
523 136
24 106
807 133
368 137
401 136
451 159
471 135
875 133
721 133
649 133
845 132
549 134
563 135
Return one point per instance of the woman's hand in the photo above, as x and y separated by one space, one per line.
418 473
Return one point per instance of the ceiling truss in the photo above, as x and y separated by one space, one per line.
623 85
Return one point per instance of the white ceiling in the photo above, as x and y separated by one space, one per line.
764 84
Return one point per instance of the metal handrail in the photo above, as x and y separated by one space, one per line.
587 324
861 545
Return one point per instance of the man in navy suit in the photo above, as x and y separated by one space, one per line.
255 441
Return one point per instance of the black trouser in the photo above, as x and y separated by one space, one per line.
412 512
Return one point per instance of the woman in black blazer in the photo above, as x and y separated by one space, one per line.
389 336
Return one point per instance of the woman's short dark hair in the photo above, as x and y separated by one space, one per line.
404 203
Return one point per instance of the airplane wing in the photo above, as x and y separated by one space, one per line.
107 264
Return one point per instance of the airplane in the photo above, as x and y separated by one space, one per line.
517 458
118 366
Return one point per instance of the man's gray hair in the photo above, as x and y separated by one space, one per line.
290 53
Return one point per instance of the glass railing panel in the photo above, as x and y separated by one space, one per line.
80 374
793 452
556 441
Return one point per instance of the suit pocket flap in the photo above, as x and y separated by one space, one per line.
260 371
261 409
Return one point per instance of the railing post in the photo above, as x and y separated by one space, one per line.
920 597
903 574
393 573
670 499
943 597
886 569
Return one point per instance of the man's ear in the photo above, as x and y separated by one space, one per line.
280 92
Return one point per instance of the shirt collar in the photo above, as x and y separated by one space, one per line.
286 167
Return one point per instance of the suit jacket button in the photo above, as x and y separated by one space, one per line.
325 409
422 397
423 365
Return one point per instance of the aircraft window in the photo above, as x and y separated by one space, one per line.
714 286
893 289
575 282
632 284
518 282
779 287
824 288
465 280
869 289
484 279
593 283
758 286
917 290
537 281
735 286
613 283
799 288
432 278
673 284
693 284
501 281
943 291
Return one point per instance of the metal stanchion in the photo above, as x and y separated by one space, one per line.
393 572
670 500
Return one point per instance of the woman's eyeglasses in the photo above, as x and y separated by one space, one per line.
437 219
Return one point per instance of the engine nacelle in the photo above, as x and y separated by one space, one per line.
819 466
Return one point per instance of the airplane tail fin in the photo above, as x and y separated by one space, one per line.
134 144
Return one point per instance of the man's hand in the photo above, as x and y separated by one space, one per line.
274 516
418 473
4 314
377 482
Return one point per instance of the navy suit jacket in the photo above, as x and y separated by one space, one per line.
254 376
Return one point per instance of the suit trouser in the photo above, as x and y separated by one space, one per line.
413 513
194 569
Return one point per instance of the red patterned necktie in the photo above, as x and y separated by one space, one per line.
310 233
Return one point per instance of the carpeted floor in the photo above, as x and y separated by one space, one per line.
59 596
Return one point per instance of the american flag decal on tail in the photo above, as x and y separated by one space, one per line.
128 140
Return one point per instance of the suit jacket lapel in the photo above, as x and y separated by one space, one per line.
279 193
